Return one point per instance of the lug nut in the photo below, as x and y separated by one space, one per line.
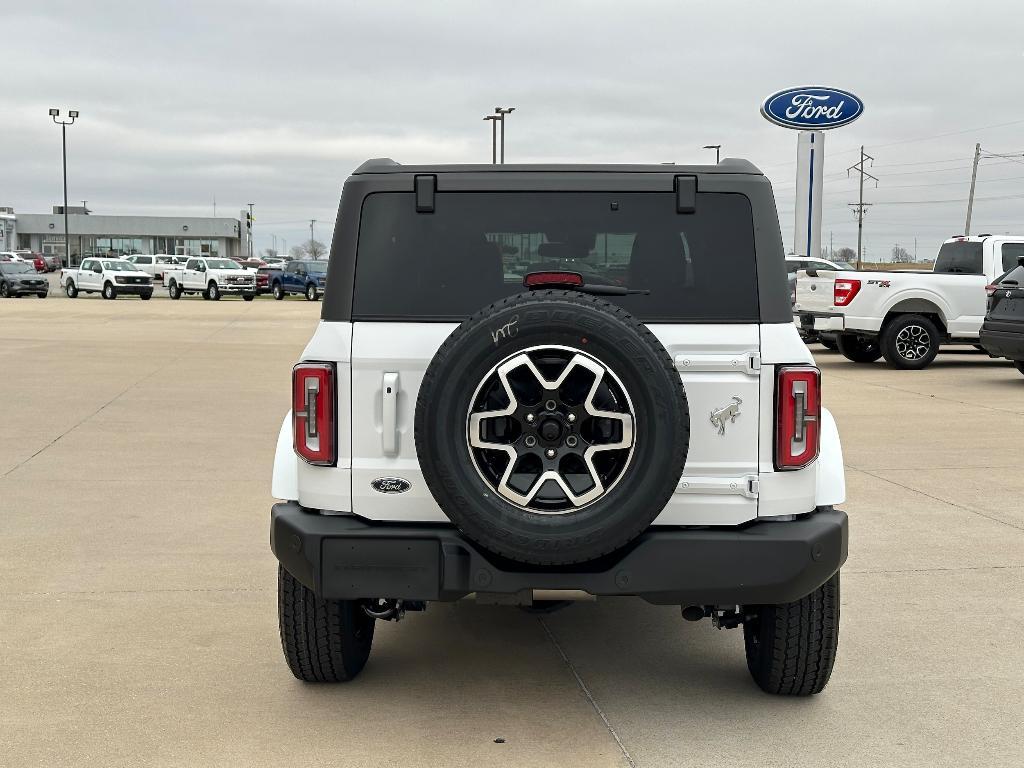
530 441
550 453
529 418
571 441
571 417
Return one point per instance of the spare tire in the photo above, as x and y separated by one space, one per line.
552 427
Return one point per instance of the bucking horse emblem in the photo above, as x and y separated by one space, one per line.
720 416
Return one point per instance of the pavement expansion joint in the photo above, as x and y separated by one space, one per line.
586 692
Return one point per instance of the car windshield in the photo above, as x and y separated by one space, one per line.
14 268
221 264
960 257
118 265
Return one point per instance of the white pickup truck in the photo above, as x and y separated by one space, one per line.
904 316
211 277
110 277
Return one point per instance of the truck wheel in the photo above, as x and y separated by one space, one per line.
829 343
109 291
146 296
324 641
858 349
552 427
173 290
5 292
791 647
213 291
248 296
278 291
310 292
910 342
70 290
41 295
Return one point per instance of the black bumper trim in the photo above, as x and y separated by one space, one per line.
346 557
1009 344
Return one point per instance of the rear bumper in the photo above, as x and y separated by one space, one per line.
346 557
820 321
1000 343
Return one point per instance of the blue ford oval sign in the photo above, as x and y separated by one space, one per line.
812 108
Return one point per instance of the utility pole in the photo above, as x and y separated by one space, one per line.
860 205
831 249
311 223
494 137
974 179
501 112
215 206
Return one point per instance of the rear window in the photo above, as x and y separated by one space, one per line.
475 248
1011 253
960 258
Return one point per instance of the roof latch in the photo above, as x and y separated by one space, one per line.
425 186
686 194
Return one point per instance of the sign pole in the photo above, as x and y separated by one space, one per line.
810 160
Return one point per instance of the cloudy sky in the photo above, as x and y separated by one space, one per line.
276 102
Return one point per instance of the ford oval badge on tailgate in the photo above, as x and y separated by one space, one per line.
390 485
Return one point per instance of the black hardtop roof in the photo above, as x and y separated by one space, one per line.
728 165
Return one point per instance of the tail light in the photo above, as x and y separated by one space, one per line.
844 291
552 279
313 413
797 416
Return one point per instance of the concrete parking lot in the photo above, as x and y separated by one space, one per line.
138 607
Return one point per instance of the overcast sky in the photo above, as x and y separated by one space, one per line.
276 102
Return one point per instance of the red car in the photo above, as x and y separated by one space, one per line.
37 261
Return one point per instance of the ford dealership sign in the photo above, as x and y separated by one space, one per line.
812 108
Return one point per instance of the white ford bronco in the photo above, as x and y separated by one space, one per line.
536 382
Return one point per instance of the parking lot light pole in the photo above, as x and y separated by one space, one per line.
73 114
501 112
250 230
718 151
494 137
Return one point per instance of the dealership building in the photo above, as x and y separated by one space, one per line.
100 235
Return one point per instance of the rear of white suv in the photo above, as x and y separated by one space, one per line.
552 380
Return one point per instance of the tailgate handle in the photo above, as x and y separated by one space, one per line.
389 414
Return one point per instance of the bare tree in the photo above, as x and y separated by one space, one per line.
270 252
846 254
311 249
901 255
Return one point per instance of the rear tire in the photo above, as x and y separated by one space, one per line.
858 349
791 647
324 641
910 342
70 289
174 290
